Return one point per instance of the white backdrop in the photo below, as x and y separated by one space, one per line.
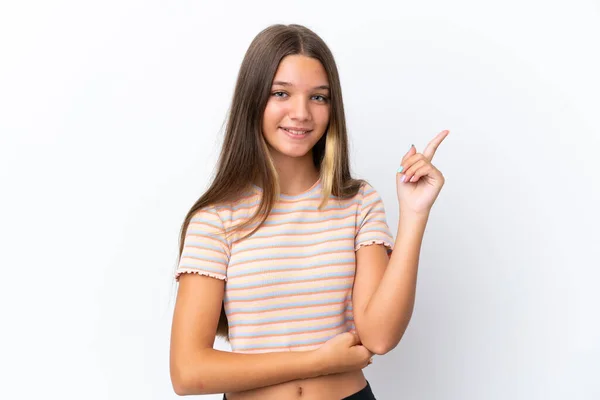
110 121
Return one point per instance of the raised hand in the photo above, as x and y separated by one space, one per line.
418 182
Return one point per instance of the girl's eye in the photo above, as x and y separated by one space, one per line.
319 98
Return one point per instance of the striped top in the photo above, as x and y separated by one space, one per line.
288 287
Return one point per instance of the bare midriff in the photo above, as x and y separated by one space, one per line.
327 387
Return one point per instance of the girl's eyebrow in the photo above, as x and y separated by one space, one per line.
282 83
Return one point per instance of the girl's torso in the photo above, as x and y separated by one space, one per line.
327 387
289 285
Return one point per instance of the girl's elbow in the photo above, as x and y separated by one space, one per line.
376 344
178 382
184 383
187 387
380 348
179 389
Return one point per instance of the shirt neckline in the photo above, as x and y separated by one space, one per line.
297 196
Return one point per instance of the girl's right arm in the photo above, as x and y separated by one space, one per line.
196 368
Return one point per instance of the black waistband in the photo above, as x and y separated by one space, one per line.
364 394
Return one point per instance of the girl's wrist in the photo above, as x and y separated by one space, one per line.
411 225
317 363
413 216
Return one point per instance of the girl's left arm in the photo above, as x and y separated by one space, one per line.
384 290
384 287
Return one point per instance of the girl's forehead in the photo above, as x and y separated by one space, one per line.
301 71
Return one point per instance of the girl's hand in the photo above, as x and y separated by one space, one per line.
418 182
343 353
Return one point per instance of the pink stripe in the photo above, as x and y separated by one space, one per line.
290 308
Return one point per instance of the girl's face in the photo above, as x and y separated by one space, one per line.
297 112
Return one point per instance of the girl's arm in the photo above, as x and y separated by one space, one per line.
384 289
212 371
196 368
384 292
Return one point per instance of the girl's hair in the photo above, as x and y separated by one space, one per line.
245 157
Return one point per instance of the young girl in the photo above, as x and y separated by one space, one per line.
286 255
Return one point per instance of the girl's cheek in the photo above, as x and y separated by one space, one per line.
322 115
275 111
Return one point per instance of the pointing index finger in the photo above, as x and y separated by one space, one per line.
433 145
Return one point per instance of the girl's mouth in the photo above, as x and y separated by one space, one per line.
296 133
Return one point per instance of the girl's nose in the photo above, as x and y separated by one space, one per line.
299 110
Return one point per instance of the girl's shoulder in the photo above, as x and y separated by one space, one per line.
238 207
365 189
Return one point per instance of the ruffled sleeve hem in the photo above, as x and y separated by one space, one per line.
389 247
199 272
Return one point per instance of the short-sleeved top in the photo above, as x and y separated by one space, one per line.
288 287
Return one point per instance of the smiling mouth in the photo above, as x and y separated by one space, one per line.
296 132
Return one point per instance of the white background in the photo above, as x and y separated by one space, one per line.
110 120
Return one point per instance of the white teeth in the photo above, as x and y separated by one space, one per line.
295 132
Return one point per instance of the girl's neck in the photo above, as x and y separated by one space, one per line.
296 175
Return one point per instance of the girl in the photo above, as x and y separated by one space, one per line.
286 255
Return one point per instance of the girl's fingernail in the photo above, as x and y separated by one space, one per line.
403 178
400 169
413 179
411 146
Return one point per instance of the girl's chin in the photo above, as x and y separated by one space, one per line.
285 150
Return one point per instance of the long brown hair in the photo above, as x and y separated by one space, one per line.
245 157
